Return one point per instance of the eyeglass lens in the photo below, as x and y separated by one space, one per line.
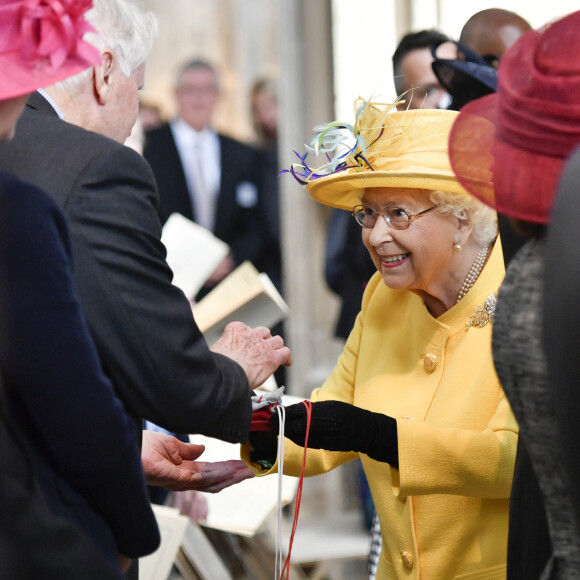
367 217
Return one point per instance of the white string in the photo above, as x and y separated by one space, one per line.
279 556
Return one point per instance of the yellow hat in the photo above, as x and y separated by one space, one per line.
399 149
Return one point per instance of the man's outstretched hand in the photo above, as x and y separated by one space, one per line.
171 463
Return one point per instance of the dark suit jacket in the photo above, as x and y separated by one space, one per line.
244 229
148 342
33 539
82 444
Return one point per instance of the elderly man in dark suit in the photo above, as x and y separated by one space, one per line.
72 491
69 143
208 177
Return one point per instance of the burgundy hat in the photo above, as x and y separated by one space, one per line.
508 149
41 43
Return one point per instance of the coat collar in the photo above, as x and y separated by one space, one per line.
37 102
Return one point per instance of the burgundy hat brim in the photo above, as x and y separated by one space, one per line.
509 149
517 183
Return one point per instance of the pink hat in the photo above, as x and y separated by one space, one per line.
41 43
508 149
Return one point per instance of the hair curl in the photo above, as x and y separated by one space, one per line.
464 206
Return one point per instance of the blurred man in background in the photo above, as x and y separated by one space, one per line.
491 32
208 177
415 82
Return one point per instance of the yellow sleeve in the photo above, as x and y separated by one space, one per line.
435 460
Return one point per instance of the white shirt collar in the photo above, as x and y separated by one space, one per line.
187 134
51 103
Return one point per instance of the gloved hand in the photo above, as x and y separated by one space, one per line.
263 447
338 426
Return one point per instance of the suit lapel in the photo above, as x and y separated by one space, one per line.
225 203
178 189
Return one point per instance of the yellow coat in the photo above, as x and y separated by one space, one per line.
444 512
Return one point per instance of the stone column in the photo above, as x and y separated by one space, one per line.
306 99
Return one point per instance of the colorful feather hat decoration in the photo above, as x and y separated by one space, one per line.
383 148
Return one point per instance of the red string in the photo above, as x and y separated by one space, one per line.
286 568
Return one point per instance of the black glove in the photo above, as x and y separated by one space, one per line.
338 426
263 447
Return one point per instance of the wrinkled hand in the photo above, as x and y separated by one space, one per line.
170 463
254 349
338 426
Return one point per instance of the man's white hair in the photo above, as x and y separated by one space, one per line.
122 26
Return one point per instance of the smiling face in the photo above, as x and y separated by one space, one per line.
420 258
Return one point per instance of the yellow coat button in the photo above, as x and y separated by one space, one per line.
407 559
430 362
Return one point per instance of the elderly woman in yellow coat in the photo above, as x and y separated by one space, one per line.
414 393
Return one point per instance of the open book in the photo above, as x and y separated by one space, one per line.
245 295
193 253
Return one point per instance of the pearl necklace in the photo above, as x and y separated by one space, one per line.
473 273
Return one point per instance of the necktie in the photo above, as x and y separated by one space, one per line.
203 200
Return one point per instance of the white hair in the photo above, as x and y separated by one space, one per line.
123 27
463 206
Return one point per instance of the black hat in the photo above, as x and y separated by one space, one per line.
465 79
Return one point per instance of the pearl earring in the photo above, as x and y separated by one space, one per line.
457 247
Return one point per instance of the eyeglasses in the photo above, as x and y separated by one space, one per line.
397 217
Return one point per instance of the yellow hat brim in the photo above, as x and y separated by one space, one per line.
344 190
